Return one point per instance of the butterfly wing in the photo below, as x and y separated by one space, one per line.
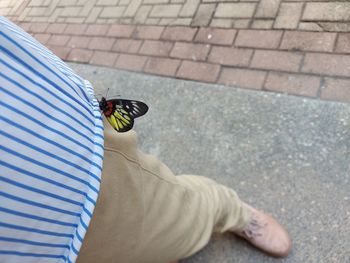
121 113
120 120
133 107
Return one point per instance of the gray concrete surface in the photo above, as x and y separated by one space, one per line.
287 155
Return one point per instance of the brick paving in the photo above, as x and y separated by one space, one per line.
252 45
314 15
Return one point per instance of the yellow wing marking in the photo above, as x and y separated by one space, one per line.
121 117
113 122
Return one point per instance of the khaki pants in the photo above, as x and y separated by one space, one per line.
145 214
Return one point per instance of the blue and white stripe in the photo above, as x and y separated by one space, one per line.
51 152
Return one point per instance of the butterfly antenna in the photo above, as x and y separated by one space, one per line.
107 93
113 96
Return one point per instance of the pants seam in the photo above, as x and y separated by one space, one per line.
141 166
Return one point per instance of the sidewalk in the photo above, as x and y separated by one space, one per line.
287 155
250 44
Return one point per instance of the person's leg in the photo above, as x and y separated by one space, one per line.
183 211
114 231
146 214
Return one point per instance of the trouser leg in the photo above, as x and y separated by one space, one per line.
146 214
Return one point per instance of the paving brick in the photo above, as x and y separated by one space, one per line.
190 51
336 89
240 23
34 11
156 48
20 7
310 26
148 32
313 41
288 15
189 8
328 11
87 7
183 21
92 17
97 30
155 1
121 30
132 8
38 27
152 21
267 8
104 21
245 78
235 10
302 85
127 45
216 36
179 33
123 21
66 3
165 10
328 64
70 11
59 40
112 12
276 60
79 42
80 55
199 71
40 19
230 56
262 24
107 2
258 38
42 38
204 15
75 29
131 62
221 23
5 11
142 14
61 52
101 43
25 26
335 26
103 58
125 2
24 15
166 21
343 44
35 3
76 20
54 17
162 66
57 28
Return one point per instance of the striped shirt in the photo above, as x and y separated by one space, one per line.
51 152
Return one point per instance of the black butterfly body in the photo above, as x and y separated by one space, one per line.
121 113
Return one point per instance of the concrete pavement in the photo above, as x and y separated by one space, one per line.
289 156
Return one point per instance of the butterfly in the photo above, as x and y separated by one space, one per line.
121 113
